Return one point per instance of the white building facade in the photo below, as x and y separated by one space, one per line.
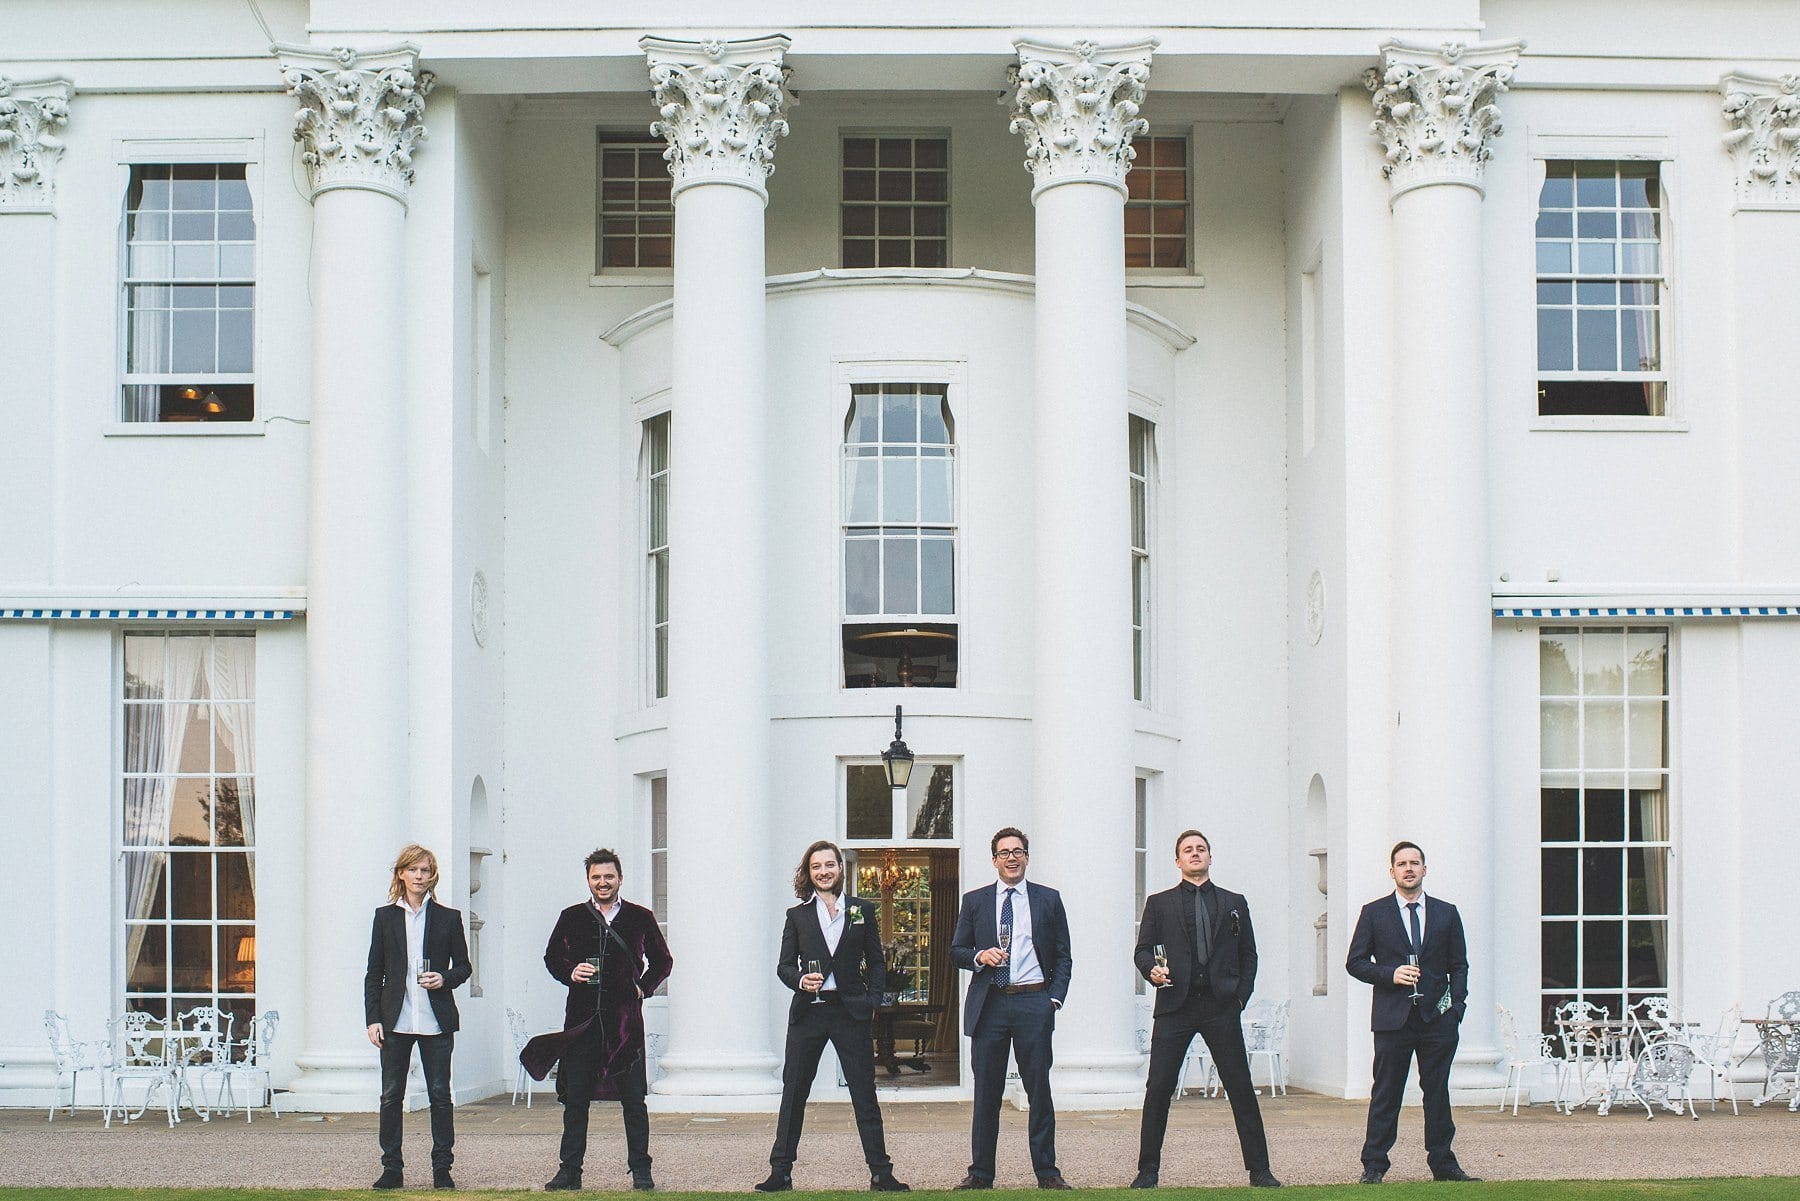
520 429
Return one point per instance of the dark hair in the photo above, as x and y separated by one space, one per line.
1187 834
604 855
1008 832
803 885
1403 845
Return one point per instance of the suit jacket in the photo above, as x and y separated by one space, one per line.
1381 944
859 964
978 928
637 961
1231 972
384 983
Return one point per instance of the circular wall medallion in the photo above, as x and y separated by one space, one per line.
478 608
1315 607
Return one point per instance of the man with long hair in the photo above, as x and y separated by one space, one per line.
831 958
417 956
611 955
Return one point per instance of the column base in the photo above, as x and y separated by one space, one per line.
1097 1080
335 1082
724 1081
1477 1076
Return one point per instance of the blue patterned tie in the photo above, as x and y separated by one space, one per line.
1003 973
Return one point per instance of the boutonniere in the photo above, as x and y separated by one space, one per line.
856 916
1237 930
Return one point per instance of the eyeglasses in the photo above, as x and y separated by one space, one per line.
1011 854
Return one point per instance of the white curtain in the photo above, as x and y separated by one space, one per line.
1653 812
157 750
234 679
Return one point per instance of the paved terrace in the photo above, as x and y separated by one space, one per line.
1313 1140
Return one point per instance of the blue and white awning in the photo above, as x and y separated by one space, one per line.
158 614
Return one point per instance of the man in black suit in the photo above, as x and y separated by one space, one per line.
407 1006
1015 940
1410 947
1209 947
842 937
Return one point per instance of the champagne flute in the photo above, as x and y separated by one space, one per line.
1162 961
1412 961
812 969
424 969
1006 944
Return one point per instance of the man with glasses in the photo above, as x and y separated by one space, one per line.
1015 941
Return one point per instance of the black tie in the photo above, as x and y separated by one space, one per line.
1003 973
1202 933
1418 940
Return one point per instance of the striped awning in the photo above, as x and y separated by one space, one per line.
121 614
1564 612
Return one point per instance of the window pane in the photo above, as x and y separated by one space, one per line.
1559 186
1558 728
1559 875
1647 811
1603 735
1603 662
1602 954
1557 654
237 961
938 575
190 886
1597 339
1558 954
899 490
1648 955
1639 347
237 895
861 477
1560 815
930 802
900 582
934 417
934 490
1556 345
862 575
1604 811
149 970
869 802
191 960
1595 258
236 353
1553 258
1602 881
195 346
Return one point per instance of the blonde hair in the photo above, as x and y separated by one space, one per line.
410 854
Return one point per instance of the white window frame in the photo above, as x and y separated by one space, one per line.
914 134
1143 619
652 409
621 138
656 858
1188 275
147 149
901 837
1544 147
1581 773
1140 861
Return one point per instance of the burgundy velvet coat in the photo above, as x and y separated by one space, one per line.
637 961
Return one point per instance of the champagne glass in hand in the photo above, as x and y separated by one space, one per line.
1412 961
1162 961
812 969
424 969
1006 943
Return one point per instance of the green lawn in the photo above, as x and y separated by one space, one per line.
1761 1188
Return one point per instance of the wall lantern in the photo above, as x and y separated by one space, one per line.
897 760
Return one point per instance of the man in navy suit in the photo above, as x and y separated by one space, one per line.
1410 947
842 937
1015 941
406 1006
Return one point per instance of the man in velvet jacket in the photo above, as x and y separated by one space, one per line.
1209 948
611 956
1411 948
842 936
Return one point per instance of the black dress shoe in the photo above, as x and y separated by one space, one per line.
391 1178
642 1182
1055 1181
884 1182
1371 1176
566 1180
1454 1173
1146 1178
1264 1179
440 1178
778 1182
973 1181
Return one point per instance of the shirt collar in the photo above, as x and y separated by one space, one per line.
407 909
1403 902
818 898
1000 887
609 914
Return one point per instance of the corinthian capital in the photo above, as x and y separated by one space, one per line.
32 111
1764 115
720 106
1077 109
1435 110
359 116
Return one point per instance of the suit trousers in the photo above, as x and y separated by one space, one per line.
809 1030
580 1074
1023 1023
434 1061
1435 1044
1220 1024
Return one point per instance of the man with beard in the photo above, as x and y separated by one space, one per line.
611 956
831 957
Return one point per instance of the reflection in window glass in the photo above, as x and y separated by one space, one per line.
1156 205
1604 816
635 212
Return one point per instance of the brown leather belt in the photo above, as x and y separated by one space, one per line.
1015 989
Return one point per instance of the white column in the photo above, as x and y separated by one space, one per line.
1435 112
357 125
721 106
1077 107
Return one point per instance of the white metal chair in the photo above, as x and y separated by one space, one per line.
1653 1017
201 1044
1660 1077
72 1057
140 1051
654 1046
1716 1054
1522 1056
515 1026
251 1058
1266 1035
1198 1059
1786 1006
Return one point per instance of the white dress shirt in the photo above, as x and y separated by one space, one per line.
611 915
832 927
1023 952
416 1016
1406 917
